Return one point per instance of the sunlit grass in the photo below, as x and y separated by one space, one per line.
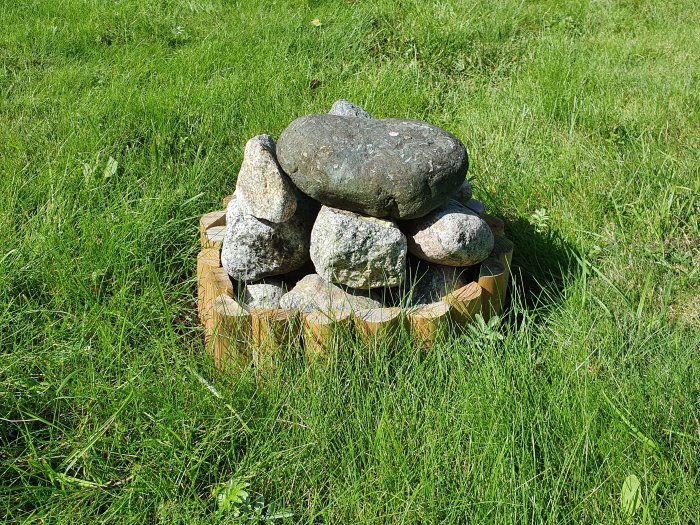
582 125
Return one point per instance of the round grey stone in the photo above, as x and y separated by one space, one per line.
255 248
452 235
464 193
264 294
429 282
357 251
266 189
476 206
345 108
383 168
313 292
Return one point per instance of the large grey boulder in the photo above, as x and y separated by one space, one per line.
264 294
313 292
345 108
265 188
357 251
383 168
452 235
255 248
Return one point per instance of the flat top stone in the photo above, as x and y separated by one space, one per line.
380 167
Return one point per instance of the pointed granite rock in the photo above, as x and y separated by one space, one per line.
267 191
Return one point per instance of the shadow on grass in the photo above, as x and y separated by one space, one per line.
542 262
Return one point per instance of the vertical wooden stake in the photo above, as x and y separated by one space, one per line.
231 334
503 251
465 302
493 280
210 220
322 331
207 260
214 237
377 323
216 283
426 321
273 330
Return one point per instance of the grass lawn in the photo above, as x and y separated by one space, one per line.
122 121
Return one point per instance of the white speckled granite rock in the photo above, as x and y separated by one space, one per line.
264 294
357 251
315 293
266 189
255 248
345 108
452 235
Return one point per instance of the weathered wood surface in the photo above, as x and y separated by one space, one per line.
493 281
207 260
324 330
231 332
426 322
216 283
503 251
214 237
465 302
273 330
378 323
210 220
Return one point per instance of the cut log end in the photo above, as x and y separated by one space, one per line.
210 220
214 237
377 323
273 329
323 330
426 322
231 333
465 302
493 280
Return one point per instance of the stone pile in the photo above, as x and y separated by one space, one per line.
351 212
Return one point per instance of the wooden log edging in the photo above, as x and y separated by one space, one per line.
324 330
425 323
378 323
466 303
273 331
231 331
236 337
